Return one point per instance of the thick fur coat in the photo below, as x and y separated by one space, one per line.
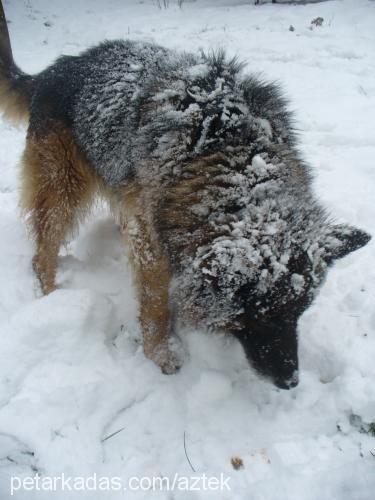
201 163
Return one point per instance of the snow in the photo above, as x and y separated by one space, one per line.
72 369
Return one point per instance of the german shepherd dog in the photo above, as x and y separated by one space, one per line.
201 163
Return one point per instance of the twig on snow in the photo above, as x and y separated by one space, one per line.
186 455
113 434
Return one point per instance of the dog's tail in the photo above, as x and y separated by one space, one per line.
15 86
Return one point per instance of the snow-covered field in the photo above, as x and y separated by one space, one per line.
72 370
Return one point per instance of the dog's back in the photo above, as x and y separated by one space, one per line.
97 95
107 109
123 100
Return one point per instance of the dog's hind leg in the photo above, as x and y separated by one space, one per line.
57 188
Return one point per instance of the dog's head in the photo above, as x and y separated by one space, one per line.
267 329
241 287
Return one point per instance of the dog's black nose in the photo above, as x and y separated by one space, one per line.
287 383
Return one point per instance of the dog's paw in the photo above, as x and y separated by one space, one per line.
169 356
47 286
171 364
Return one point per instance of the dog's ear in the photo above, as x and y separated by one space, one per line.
340 240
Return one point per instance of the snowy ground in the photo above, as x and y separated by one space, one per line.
72 371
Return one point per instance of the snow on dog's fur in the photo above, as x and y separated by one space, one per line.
201 163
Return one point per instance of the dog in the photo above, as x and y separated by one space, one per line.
201 166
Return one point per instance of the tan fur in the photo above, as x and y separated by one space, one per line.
175 207
57 189
14 104
152 274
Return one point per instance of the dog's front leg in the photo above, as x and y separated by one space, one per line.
153 278
155 316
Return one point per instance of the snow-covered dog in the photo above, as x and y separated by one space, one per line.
200 162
